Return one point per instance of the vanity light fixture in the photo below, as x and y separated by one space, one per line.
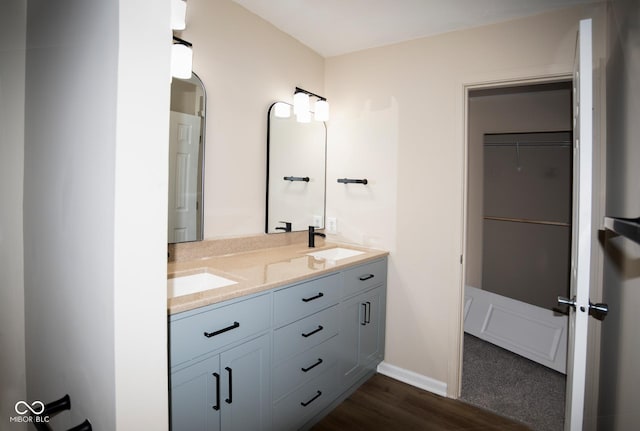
321 110
181 58
300 102
178 14
301 106
282 110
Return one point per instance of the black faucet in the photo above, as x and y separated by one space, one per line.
312 236
286 228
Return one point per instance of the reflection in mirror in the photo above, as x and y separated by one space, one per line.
186 158
296 162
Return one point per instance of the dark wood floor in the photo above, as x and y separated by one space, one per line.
383 403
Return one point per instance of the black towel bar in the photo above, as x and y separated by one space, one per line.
349 181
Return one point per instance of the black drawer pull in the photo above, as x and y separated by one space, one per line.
364 313
220 331
368 308
230 399
217 406
311 367
303 404
319 295
308 334
366 277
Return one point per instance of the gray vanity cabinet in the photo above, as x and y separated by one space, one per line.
362 324
228 386
278 360
229 391
305 375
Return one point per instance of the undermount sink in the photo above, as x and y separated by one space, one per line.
334 254
188 284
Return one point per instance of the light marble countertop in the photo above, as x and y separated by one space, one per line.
259 270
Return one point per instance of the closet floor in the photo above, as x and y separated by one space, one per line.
512 386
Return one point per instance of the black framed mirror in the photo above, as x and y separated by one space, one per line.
186 160
296 173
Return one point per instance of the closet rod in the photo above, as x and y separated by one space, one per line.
522 220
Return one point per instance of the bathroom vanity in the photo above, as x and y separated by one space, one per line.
293 336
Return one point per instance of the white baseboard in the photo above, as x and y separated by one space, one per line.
413 379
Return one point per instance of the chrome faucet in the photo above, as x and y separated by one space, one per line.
312 236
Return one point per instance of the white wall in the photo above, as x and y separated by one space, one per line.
13 22
140 216
96 142
246 64
415 150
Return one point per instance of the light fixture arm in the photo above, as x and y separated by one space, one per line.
302 90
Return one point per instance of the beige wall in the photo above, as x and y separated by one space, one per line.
398 119
398 116
246 64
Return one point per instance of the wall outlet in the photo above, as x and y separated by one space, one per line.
332 225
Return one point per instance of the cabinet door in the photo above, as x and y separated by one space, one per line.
361 334
371 344
194 397
352 317
246 401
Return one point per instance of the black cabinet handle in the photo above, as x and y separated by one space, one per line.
308 334
364 314
367 319
319 295
220 331
303 404
311 367
366 277
217 377
230 399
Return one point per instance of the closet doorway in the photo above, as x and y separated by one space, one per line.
518 250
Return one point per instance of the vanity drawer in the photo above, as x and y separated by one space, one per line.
293 372
364 276
294 410
205 332
306 298
305 334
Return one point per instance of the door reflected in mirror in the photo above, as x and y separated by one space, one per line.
186 160
296 171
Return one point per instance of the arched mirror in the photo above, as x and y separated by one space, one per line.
296 171
186 160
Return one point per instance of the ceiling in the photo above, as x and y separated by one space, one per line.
335 27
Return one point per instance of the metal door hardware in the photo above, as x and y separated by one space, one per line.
599 310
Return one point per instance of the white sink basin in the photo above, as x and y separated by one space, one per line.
334 254
188 284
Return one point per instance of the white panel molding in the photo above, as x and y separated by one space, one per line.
530 331
412 378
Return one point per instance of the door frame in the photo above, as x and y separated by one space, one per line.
593 348
466 89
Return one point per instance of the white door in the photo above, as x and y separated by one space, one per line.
582 237
184 142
